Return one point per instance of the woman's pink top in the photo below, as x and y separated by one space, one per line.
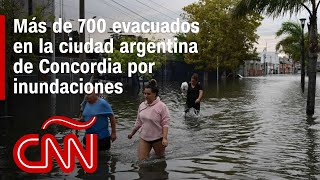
151 119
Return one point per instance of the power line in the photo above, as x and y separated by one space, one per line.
154 9
116 8
164 7
89 12
141 9
129 2
76 8
106 3
130 10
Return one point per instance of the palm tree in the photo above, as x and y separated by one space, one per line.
278 8
290 44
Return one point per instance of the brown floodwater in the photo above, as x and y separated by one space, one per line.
251 128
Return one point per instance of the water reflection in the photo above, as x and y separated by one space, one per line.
253 128
194 123
153 170
105 168
312 158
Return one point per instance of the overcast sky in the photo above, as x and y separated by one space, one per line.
157 10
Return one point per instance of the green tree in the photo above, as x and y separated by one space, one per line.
13 9
125 58
278 8
222 40
181 37
290 44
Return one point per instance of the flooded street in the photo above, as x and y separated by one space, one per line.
251 128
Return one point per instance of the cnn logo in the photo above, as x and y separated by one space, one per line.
50 148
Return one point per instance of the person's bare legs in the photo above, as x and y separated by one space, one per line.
159 149
144 149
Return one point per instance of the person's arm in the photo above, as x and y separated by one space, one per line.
165 136
83 105
80 117
132 133
165 125
200 96
113 128
137 125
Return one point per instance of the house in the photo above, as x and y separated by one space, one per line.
286 65
251 68
269 62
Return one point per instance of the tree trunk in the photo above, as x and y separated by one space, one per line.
312 68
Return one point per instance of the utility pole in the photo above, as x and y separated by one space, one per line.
264 61
30 7
217 69
302 62
82 56
53 59
88 32
61 16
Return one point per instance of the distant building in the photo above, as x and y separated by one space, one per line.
251 68
276 64
286 66
318 63
269 62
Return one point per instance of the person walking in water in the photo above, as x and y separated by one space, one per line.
152 122
194 94
96 106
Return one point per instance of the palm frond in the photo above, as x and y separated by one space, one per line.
290 28
273 8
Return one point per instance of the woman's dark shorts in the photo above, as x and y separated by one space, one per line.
154 141
103 144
